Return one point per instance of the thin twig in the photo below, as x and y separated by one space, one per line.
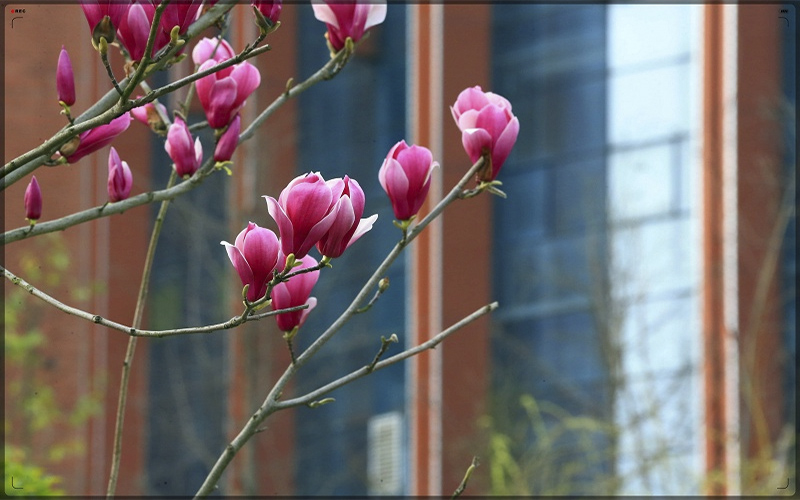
136 332
385 343
104 57
463 485
137 320
364 371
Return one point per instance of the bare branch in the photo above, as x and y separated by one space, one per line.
361 372
136 332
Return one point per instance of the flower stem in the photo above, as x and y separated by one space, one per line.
137 320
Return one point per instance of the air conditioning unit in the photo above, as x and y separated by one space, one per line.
385 454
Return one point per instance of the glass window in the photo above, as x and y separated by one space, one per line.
548 350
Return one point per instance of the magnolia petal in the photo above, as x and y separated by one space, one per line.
503 146
494 120
334 242
377 14
247 78
312 303
475 141
285 227
324 13
364 225
221 102
316 233
203 85
242 268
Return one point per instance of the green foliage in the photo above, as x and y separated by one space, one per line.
551 452
28 480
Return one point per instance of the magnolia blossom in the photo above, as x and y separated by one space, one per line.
120 178
217 49
254 255
96 138
65 79
406 177
488 128
228 141
295 292
303 213
348 20
348 226
222 94
186 156
33 201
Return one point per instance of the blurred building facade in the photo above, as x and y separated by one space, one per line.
644 262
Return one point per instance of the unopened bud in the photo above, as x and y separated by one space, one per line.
33 201
174 34
383 284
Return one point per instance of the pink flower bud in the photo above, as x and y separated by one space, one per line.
65 79
120 178
348 19
228 141
295 292
303 213
254 256
186 156
33 201
99 137
270 9
348 226
406 177
212 49
488 128
222 94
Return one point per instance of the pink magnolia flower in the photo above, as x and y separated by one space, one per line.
348 226
303 213
134 29
33 200
227 143
254 255
212 48
222 94
96 10
120 178
348 19
488 128
65 79
295 292
270 9
99 137
406 177
186 156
